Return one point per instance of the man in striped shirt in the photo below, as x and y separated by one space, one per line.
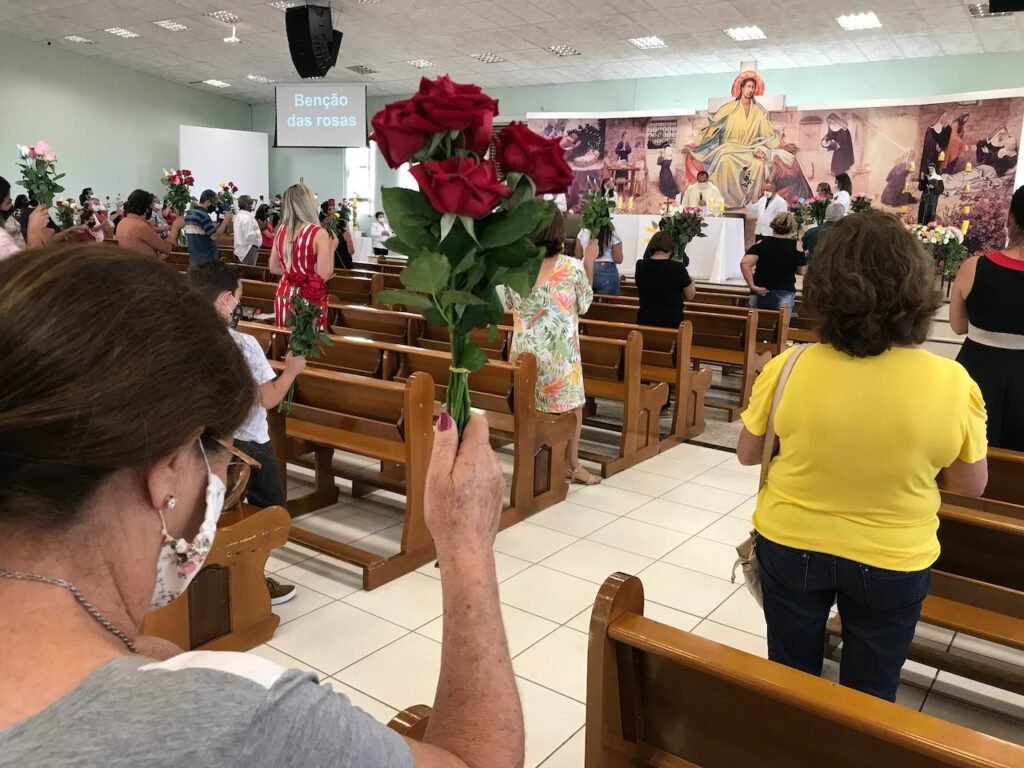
200 231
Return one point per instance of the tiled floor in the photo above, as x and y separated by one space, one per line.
673 521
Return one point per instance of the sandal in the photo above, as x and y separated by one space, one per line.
582 476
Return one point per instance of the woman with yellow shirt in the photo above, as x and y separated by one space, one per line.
870 426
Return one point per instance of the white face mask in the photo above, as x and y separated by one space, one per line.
179 561
702 185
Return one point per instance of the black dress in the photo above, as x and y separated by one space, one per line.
994 305
931 190
660 283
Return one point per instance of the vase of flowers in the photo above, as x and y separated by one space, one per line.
39 172
465 231
801 212
945 244
816 207
65 213
179 195
683 226
860 203
226 196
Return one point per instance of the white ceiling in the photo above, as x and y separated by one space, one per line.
384 35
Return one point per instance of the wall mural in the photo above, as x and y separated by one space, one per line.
746 138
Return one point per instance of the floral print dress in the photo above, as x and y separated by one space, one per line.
547 326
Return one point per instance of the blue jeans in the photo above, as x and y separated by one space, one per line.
879 610
606 278
774 300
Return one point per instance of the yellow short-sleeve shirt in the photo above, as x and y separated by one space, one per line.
862 441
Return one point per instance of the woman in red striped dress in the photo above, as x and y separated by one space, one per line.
303 254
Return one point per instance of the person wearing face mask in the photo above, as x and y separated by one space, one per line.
767 208
200 231
379 233
136 233
701 194
221 286
111 483
247 232
156 217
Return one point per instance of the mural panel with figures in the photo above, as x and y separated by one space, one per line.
949 162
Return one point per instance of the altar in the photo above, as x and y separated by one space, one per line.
714 258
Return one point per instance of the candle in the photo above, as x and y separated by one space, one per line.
964 226
942 157
967 210
912 167
904 209
907 188
631 202
967 188
968 168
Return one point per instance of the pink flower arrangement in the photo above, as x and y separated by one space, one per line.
39 173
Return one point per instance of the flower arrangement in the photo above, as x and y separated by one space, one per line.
946 245
816 207
801 211
332 222
596 212
465 231
227 193
860 203
683 226
305 339
65 212
39 172
178 182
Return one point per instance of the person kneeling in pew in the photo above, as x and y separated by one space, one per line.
220 285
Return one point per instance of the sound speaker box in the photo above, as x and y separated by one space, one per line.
313 43
1005 6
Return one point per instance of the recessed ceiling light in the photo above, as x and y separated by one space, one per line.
982 11
121 32
226 16
562 50
259 79
487 58
420 63
79 39
172 26
647 43
282 5
745 33
856 21
362 69
217 83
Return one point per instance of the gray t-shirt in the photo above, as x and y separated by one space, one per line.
202 708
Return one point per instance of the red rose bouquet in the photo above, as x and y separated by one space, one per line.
466 230
227 193
178 182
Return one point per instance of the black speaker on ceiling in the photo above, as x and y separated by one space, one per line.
313 43
1005 6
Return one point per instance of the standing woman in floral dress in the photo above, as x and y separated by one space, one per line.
547 325
303 255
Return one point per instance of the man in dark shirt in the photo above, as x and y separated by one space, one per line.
833 213
200 231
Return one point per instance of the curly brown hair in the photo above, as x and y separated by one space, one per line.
871 286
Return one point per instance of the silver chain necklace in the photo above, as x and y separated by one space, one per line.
102 620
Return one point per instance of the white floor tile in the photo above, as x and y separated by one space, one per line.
551 719
272 654
410 602
615 501
700 554
980 695
400 675
386 542
637 480
698 454
735 638
581 621
705 497
549 594
678 517
375 709
728 530
334 636
531 542
677 470
505 566
573 519
688 591
570 754
638 537
745 511
345 523
305 600
975 718
558 662
325 574
723 479
288 554
595 562
383 502
521 628
742 612
733 465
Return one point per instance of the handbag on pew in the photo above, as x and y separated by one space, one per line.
747 560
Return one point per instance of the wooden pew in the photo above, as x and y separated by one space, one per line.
1004 493
384 420
373 323
436 337
658 696
666 357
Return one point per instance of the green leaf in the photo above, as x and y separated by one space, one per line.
433 316
457 245
472 358
398 245
465 298
518 280
402 203
407 298
427 273
473 276
469 224
508 226
466 262
514 254
492 333
523 191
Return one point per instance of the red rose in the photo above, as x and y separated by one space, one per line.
396 138
461 185
442 104
543 160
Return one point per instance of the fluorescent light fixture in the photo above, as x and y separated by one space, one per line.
79 39
743 34
282 5
983 11
259 79
217 83
172 26
122 32
362 69
647 43
365 2
226 16
487 58
420 63
562 50
857 21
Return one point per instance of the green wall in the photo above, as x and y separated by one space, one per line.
323 169
111 128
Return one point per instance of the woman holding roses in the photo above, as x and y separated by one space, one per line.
303 254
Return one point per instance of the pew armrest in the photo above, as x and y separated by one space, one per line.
412 722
